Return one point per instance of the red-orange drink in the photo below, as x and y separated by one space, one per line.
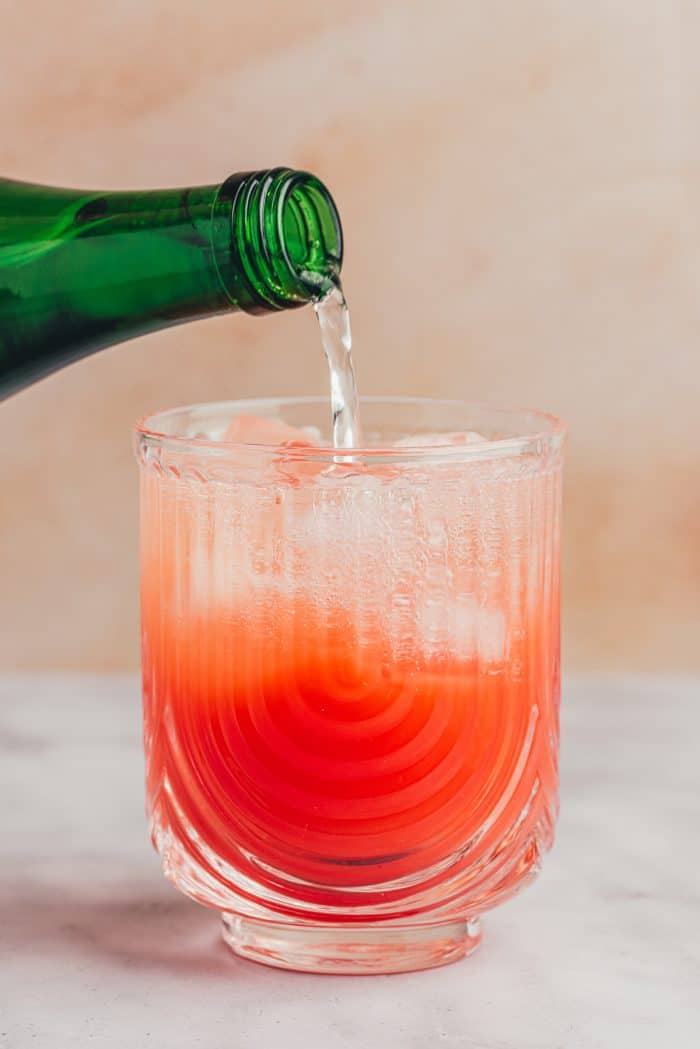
350 676
331 761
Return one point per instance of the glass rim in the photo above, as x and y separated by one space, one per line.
547 432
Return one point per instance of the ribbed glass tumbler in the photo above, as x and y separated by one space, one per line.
350 671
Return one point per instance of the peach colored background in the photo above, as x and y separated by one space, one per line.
520 187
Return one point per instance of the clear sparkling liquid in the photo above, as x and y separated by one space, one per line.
334 322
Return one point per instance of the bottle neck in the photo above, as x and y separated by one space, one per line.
277 239
80 271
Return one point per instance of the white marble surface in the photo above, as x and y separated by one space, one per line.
98 950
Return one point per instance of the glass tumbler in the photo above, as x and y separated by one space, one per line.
350 671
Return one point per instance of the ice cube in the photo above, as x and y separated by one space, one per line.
462 628
236 528
254 429
428 440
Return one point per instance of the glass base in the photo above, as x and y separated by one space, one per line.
347 948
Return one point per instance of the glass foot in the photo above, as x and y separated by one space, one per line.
349 948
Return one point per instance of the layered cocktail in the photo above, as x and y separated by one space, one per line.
351 671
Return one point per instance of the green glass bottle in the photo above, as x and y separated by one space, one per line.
80 271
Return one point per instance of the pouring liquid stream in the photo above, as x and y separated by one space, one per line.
336 338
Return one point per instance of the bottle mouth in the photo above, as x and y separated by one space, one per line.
286 231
